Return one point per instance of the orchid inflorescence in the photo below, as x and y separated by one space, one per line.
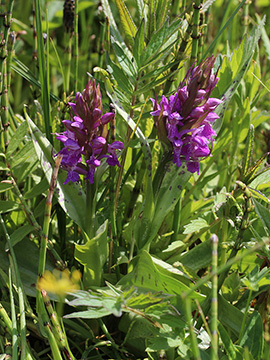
86 137
184 121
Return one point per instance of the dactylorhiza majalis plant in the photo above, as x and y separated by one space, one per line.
184 121
86 137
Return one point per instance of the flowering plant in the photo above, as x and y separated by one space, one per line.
184 121
86 137
155 245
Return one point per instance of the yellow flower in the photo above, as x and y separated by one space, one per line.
59 282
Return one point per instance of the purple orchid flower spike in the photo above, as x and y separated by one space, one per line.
86 137
184 121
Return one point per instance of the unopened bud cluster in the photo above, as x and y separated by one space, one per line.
69 15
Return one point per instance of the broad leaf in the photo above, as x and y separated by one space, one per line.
231 350
230 316
145 275
93 256
169 193
252 337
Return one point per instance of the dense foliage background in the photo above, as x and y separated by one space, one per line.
148 261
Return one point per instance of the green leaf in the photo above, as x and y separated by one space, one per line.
151 19
114 30
125 63
257 278
158 41
198 257
8 205
156 82
261 179
263 213
3 166
259 195
253 336
169 194
145 275
230 287
242 57
231 350
161 11
41 187
156 72
5 187
95 313
16 139
27 253
148 209
24 162
251 173
43 72
126 19
195 225
165 342
139 44
20 233
213 43
230 316
93 256
25 72
258 117
265 39
70 196
113 300
99 305
120 77
248 150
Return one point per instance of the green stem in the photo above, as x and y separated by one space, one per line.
4 106
43 73
37 228
195 31
6 22
183 5
68 60
21 295
245 316
90 208
47 215
101 42
214 303
175 8
194 343
161 171
135 192
76 47
203 25
223 268
246 16
124 155
6 318
14 320
109 337
10 48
